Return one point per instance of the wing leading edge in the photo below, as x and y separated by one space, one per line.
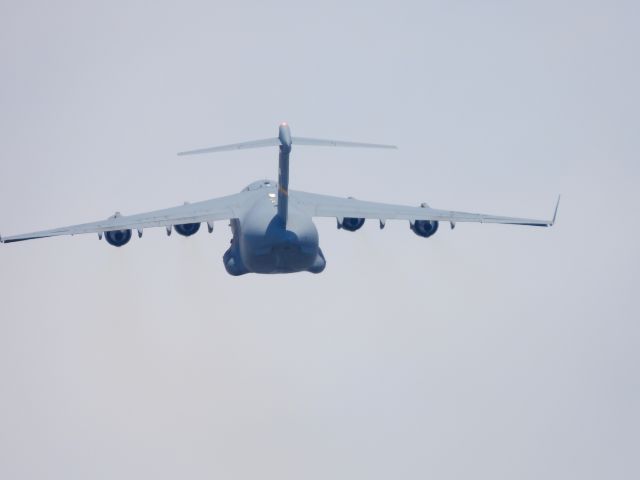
207 211
327 206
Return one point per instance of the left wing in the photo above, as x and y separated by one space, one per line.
208 211
327 206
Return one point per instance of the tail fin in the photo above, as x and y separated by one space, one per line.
285 141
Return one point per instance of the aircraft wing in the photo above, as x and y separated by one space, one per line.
207 211
326 206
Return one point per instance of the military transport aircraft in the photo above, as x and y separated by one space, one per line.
272 226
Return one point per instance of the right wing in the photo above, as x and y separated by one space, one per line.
327 206
207 211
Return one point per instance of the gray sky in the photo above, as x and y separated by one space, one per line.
485 352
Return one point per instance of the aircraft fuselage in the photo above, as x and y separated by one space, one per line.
263 243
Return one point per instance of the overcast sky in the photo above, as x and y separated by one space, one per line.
489 351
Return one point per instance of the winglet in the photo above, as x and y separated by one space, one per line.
555 212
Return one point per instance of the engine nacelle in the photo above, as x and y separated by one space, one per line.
424 228
187 229
118 238
351 224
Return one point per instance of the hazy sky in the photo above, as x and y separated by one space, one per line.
489 351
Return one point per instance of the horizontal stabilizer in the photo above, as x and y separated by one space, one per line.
335 143
267 142
284 138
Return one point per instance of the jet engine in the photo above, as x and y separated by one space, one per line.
351 224
424 228
187 229
118 238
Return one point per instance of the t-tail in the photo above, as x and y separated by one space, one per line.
285 142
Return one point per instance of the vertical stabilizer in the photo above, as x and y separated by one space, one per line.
284 135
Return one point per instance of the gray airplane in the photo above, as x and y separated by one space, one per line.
272 226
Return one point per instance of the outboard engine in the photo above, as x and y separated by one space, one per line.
187 229
118 238
351 224
424 228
